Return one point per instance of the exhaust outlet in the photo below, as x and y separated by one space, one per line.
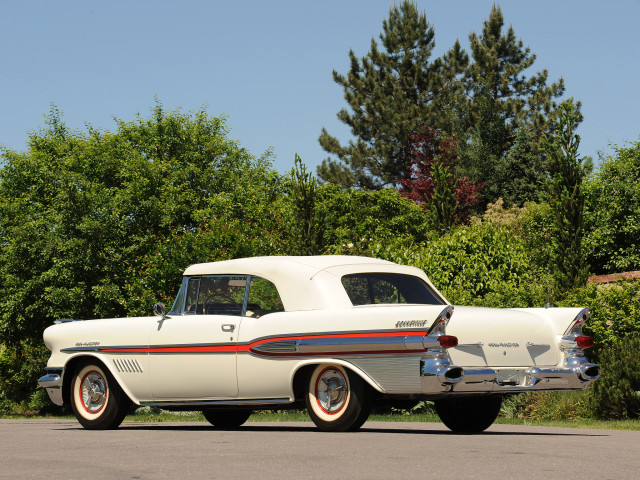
589 371
451 375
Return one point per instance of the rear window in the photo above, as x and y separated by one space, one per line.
388 288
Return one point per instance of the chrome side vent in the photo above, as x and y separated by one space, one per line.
127 365
282 346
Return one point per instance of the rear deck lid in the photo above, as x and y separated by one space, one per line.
502 338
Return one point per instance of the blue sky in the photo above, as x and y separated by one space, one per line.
267 66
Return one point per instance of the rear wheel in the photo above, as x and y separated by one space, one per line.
226 418
337 399
97 400
469 415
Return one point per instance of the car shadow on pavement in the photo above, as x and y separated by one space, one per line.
311 428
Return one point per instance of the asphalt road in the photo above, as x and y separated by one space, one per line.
62 449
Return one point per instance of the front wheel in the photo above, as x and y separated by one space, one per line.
337 399
226 418
468 415
97 400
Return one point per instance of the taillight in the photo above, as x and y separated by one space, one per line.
448 341
584 341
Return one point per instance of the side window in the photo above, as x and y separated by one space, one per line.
263 298
216 295
368 290
193 287
388 288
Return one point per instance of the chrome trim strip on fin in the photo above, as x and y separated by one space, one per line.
576 326
440 323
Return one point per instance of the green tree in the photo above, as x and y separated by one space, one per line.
352 219
103 224
565 194
499 86
303 196
503 100
520 176
79 212
613 212
392 92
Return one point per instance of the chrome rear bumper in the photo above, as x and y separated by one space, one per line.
577 373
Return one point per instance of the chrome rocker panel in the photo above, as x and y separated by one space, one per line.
438 376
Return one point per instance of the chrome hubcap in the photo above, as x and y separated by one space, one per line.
332 390
93 390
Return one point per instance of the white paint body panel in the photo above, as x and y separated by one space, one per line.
209 361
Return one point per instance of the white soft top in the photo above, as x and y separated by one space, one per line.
306 282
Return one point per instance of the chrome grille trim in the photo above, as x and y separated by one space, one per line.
127 365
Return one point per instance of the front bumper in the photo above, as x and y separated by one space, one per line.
438 376
52 381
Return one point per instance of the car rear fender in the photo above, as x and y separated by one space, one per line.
305 367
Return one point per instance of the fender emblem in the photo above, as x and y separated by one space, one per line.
411 323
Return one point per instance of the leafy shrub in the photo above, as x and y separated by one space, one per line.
480 265
615 311
20 367
352 220
612 216
616 395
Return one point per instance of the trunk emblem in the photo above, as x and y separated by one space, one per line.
504 345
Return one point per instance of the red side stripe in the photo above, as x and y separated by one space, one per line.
249 347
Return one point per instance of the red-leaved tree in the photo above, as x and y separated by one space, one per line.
432 182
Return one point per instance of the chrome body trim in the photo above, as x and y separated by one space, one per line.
438 376
50 380
67 320
213 403
533 345
282 346
127 365
81 349
351 344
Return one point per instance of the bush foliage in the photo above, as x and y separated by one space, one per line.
102 224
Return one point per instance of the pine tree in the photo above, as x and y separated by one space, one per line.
503 99
305 228
497 74
520 175
392 92
565 194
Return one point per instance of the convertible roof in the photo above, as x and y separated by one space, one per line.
297 265
306 283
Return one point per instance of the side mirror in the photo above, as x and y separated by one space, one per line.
159 309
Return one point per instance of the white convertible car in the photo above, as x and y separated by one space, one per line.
333 333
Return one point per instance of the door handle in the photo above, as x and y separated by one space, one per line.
228 327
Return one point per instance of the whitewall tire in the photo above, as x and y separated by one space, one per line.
337 399
97 400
